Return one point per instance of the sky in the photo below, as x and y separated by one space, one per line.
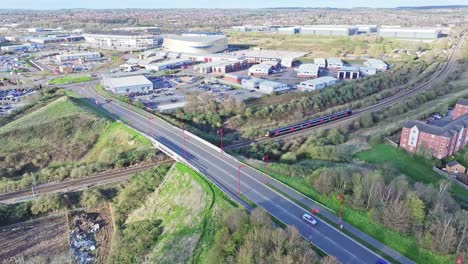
112 4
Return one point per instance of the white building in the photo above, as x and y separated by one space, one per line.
289 30
366 29
410 32
128 84
316 84
78 56
329 30
379 65
261 69
367 71
248 28
123 42
269 87
168 65
321 62
196 44
334 63
308 70
348 73
15 48
170 108
251 83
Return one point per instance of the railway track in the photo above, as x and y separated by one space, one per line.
439 74
74 185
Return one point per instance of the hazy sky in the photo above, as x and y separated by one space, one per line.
57 4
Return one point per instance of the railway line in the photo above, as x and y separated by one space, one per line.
443 71
75 184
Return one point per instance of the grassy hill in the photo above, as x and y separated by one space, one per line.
65 138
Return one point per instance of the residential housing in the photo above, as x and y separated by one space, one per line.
440 138
455 167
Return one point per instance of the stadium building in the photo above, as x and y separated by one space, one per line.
195 44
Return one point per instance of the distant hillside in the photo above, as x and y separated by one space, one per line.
432 7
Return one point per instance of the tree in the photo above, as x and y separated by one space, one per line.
45 204
396 216
416 208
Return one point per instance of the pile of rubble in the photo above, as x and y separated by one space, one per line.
82 239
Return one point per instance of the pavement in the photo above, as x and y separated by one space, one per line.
222 169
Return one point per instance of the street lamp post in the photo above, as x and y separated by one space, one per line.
312 212
220 132
265 158
238 178
341 198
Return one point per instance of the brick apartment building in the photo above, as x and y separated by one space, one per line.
442 138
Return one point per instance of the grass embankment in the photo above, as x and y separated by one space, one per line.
62 139
416 168
188 210
70 79
405 245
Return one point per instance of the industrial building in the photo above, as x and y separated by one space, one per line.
334 63
379 65
441 139
123 41
251 83
329 30
78 56
232 78
308 70
23 47
367 71
258 55
366 29
289 30
316 84
321 62
56 39
222 66
128 84
152 30
250 28
168 65
410 32
348 73
196 44
270 87
170 108
261 69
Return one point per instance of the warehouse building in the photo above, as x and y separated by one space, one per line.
220 67
379 65
321 62
251 83
259 55
261 69
168 65
123 41
329 30
410 32
23 47
196 44
250 28
348 73
366 29
367 71
78 56
316 84
270 87
232 78
128 84
289 30
334 63
308 70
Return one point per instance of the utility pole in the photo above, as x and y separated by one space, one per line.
238 178
312 212
341 198
220 132
265 158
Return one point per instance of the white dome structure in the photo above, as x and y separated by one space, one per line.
194 44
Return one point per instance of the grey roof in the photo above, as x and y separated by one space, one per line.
452 163
128 81
197 38
462 101
447 130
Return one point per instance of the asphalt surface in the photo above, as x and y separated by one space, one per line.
222 170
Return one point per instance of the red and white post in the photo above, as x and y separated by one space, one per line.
238 178
341 198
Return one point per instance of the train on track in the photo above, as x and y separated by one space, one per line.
307 124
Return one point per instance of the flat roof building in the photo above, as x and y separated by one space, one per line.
78 56
260 55
248 28
316 84
348 73
329 30
334 63
168 65
127 85
260 69
379 65
321 62
367 71
410 32
251 83
366 29
123 41
270 87
196 44
308 70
